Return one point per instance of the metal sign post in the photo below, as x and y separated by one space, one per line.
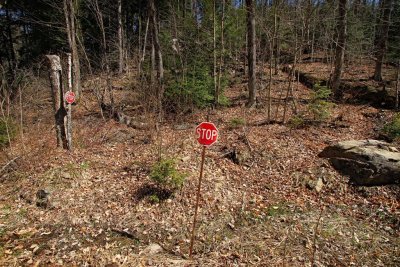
207 134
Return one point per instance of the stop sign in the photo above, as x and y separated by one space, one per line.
207 133
70 97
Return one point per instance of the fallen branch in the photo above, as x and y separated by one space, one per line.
124 233
264 122
121 117
8 164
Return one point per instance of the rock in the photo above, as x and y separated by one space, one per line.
318 185
315 184
183 126
152 249
42 198
237 156
184 159
120 136
367 162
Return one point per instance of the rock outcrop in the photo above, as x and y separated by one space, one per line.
367 162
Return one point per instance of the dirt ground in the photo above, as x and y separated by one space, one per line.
258 213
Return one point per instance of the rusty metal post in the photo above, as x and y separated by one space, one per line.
203 154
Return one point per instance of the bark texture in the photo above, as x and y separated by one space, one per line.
251 53
69 12
340 49
58 102
382 36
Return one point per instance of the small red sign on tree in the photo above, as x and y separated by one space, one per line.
70 97
207 133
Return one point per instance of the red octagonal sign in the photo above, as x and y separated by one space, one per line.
69 97
207 133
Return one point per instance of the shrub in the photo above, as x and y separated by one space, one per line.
392 129
236 123
165 174
7 131
194 91
319 106
154 199
296 122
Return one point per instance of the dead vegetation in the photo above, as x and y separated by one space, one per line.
261 210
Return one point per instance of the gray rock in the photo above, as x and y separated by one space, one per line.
314 184
367 162
152 249
318 185
42 199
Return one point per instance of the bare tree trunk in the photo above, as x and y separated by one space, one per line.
276 36
120 39
251 30
68 118
271 46
397 85
58 101
144 47
69 12
340 49
153 64
221 57
158 54
13 61
160 70
382 36
215 56
105 63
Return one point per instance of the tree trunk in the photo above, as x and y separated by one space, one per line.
158 54
251 53
13 60
153 64
397 85
340 49
105 63
276 36
382 36
58 99
68 118
221 57
141 59
69 12
215 55
120 39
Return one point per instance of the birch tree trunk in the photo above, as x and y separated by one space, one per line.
68 118
69 12
58 101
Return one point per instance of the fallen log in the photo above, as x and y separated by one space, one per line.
121 117
359 93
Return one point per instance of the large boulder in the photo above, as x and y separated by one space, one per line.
367 162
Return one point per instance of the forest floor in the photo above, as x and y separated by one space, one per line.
261 212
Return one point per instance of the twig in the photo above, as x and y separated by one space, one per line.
8 163
314 246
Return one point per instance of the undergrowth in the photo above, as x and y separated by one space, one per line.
165 174
8 131
392 129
